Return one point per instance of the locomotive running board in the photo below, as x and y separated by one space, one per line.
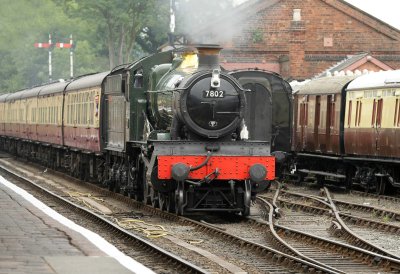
319 156
339 176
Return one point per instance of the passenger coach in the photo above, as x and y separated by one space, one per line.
347 129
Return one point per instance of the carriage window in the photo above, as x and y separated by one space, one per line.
78 105
355 120
91 111
73 112
317 111
85 119
373 113
396 112
302 116
359 114
69 114
68 110
379 113
138 80
349 117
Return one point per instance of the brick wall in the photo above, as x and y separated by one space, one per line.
329 30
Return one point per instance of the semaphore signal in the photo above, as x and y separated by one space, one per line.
50 47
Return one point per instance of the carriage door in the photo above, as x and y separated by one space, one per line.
115 105
317 121
303 118
330 114
377 122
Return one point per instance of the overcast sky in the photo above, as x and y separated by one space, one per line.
385 10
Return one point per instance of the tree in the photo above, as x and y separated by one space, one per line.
121 22
25 22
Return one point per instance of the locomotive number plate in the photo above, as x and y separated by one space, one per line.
213 94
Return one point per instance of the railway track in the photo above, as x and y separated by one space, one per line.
262 258
318 245
270 253
154 255
378 237
357 214
369 204
375 196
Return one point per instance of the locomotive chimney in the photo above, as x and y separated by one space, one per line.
208 56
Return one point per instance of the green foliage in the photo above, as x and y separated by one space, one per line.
10 78
119 30
120 23
257 36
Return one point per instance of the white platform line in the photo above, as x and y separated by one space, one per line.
94 238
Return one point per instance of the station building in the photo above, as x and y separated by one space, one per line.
300 39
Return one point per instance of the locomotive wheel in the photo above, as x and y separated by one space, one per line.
147 191
170 202
320 180
381 186
247 198
161 200
179 201
154 197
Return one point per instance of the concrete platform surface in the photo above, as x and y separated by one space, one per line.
33 241
95 265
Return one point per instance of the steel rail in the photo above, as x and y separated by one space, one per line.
182 264
351 218
356 237
373 195
272 255
382 212
360 248
352 251
328 268
348 217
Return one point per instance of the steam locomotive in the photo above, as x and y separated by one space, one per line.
347 131
173 129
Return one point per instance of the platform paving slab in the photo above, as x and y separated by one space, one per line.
89 265
33 242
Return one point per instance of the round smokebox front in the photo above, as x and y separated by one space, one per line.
213 111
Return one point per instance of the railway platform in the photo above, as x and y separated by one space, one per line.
32 241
